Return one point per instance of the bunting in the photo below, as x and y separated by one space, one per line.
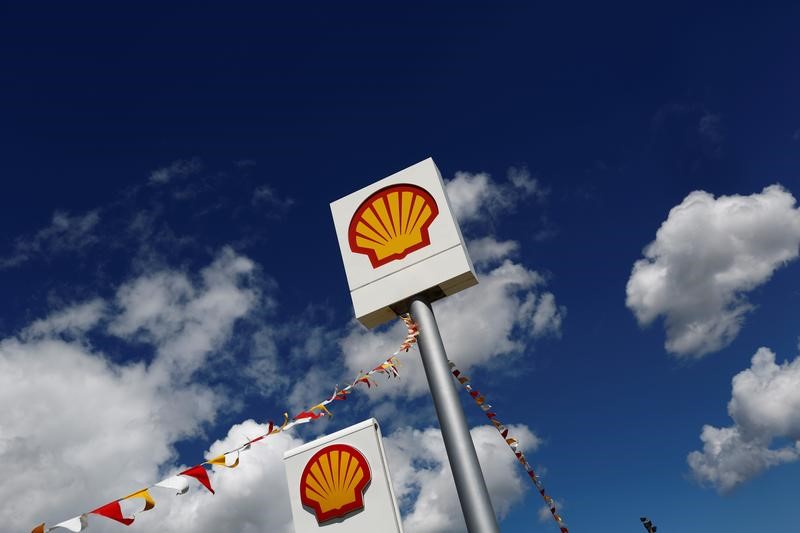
480 401
114 511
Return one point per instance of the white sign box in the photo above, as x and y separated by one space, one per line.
341 483
399 238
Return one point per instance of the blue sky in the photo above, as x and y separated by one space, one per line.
625 176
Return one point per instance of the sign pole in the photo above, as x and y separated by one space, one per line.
470 485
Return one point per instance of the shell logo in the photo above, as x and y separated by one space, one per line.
392 223
333 482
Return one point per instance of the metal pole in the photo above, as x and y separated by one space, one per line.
471 487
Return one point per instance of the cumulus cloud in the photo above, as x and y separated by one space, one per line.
180 168
706 256
253 498
507 312
71 321
765 406
183 320
64 233
84 428
488 250
424 484
265 198
477 197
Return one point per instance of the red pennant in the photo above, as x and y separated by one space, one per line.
200 474
114 512
307 414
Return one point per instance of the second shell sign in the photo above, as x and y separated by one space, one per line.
341 482
399 238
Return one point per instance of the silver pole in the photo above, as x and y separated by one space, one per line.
471 487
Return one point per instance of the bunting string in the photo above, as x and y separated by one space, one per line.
124 509
480 401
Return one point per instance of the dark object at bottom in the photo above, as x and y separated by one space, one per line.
648 524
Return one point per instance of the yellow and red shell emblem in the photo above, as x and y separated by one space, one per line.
333 482
392 223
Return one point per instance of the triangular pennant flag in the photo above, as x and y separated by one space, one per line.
181 484
285 422
38 529
221 460
112 510
144 494
307 415
79 523
321 407
200 474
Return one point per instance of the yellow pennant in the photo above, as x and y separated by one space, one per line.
221 461
149 502
320 407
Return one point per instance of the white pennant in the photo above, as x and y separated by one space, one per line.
179 483
73 524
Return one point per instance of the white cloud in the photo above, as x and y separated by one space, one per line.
186 322
252 498
71 321
728 460
65 233
766 397
765 405
477 197
82 429
424 484
707 255
548 316
180 168
488 250
500 316
265 197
